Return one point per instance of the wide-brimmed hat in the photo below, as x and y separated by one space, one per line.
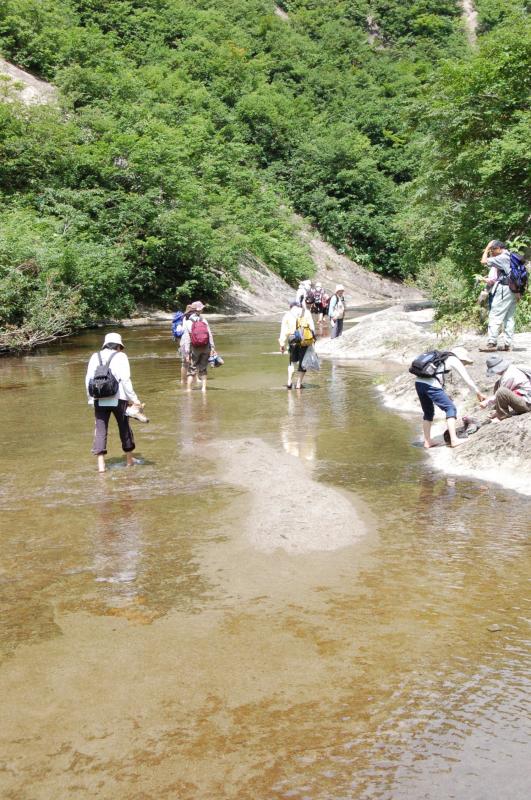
196 306
294 303
496 365
340 287
463 355
113 338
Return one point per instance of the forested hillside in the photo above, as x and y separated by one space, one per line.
187 133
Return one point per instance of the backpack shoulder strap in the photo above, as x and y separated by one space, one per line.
99 358
114 353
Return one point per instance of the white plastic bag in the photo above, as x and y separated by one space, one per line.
310 360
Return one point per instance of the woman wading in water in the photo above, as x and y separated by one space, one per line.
111 358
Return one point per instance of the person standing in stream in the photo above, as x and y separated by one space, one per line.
112 354
197 344
297 331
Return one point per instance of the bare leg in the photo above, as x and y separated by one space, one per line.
130 461
291 370
189 381
203 383
454 441
426 430
300 378
183 372
101 463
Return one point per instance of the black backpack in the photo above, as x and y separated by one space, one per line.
103 383
427 365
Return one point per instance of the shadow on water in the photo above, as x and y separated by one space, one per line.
151 650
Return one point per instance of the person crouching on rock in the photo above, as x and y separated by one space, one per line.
111 356
298 332
431 393
512 390
197 344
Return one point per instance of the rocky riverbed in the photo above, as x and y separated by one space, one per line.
498 452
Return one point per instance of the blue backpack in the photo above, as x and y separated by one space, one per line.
177 325
518 276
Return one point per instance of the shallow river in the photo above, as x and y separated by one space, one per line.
282 600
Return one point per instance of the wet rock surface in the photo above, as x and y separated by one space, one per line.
499 452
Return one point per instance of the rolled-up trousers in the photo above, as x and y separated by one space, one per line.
103 415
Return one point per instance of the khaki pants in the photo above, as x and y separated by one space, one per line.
508 403
502 313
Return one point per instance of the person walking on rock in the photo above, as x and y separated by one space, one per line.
112 355
197 344
512 390
336 311
431 393
503 301
297 332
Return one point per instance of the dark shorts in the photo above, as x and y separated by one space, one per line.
431 396
296 354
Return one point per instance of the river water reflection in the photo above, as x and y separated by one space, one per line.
157 643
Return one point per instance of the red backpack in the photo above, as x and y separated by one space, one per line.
199 336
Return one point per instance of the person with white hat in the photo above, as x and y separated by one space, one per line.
336 311
112 355
512 390
431 393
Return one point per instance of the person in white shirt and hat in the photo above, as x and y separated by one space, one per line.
112 353
336 311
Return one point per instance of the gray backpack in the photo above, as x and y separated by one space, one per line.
103 383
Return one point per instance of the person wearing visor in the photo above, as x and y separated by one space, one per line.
112 353
512 390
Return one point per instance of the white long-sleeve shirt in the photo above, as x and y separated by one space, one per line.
289 323
120 369
452 362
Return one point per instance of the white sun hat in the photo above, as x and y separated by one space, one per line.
463 355
113 338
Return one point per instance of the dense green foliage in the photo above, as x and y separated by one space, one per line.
187 133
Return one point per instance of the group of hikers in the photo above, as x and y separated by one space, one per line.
110 390
505 284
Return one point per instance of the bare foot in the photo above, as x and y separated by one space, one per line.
457 443
101 464
427 445
131 461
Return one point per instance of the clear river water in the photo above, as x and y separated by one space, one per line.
282 600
